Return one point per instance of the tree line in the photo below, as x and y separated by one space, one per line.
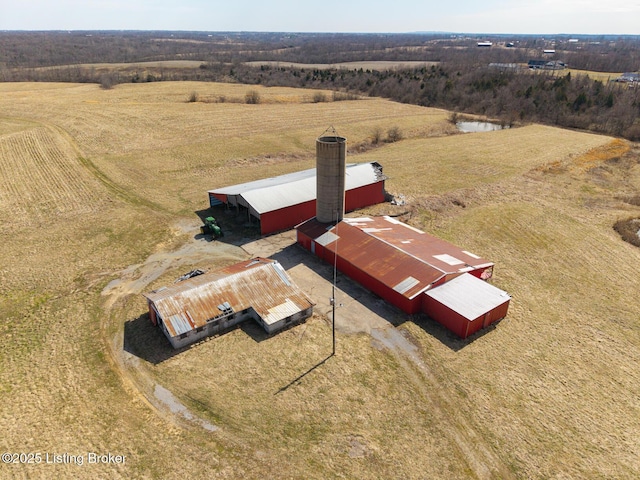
466 80
32 49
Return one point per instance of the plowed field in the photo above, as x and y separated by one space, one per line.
42 177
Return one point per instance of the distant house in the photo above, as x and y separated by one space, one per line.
485 44
258 289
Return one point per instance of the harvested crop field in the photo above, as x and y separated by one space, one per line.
100 192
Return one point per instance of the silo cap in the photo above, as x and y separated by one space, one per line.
332 139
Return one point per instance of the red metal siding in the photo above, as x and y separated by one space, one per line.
288 217
220 196
445 316
152 315
496 314
303 240
459 324
376 286
364 196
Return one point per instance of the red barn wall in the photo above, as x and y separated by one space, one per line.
384 291
288 217
445 316
459 324
364 196
285 218
379 288
217 197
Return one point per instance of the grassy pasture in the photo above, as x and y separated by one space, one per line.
101 181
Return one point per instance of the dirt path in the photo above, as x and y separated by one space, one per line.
198 250
484 463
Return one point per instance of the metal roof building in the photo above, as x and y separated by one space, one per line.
466 304
398 262
280 203
392 259
258 289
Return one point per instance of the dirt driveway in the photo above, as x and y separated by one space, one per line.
358 310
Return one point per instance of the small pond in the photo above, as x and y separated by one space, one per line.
469 127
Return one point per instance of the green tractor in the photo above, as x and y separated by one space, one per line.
211 227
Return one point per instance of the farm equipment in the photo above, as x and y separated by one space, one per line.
211 227
191 274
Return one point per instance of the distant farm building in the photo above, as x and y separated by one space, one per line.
629 77
280 203
404 265
546 65
257 289
485 44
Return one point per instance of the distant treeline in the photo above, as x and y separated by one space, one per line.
51 48
467 79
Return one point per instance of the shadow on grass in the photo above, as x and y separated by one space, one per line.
146 341
252 329
300 377
447 337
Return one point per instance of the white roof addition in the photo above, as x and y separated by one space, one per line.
469 296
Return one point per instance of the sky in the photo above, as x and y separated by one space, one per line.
590 17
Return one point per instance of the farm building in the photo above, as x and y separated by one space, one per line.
282 202
257 289
466 304
547 65
400 264
629 77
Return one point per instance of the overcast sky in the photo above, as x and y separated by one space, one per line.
468 16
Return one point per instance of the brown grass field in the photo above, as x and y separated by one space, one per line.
99 191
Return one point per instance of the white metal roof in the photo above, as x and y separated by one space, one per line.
469 296
275 193
266 182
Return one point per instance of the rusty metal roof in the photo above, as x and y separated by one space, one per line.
402 257
260 283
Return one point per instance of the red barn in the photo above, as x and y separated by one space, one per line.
401 263
280 203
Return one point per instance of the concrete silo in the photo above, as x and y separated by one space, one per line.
330 178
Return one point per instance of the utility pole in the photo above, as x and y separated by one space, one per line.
333 289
